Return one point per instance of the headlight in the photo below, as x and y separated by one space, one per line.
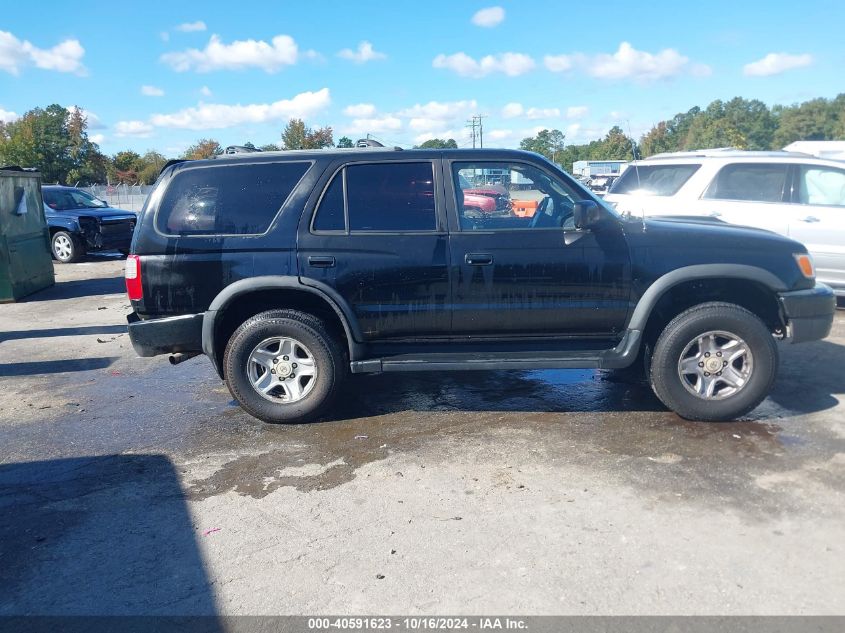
805 265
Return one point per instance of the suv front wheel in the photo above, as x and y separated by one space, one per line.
714 362
283 366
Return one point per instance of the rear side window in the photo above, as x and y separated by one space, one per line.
227 200
391 197
753 182
654 180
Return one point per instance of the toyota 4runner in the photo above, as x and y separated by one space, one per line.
291 270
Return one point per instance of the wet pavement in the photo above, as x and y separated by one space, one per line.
566 491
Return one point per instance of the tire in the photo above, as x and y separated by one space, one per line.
66 247
688 337
296 398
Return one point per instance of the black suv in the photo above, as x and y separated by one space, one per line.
289 270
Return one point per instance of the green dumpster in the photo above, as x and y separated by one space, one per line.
25 262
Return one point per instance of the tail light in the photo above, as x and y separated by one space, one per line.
132 274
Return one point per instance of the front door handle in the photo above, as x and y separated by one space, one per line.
478 259
810 219
321 261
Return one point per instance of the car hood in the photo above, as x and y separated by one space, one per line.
104 213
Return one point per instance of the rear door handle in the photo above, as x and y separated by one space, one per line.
321 261
478 259
810 219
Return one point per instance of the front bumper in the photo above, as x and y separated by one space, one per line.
809 313
170 335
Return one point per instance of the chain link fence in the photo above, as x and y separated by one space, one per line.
128 197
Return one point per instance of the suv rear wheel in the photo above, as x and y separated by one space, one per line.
714 362
283 366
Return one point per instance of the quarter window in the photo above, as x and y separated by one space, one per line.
230 199
391 197
821 185
331 214
753 182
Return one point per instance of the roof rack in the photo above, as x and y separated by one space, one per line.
240 149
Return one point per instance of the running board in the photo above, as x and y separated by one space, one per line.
615 358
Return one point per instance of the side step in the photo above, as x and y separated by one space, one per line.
616 358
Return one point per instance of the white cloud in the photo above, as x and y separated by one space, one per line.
64 57
217 55
152 91
510 64
360 110
558 63
137 129
542 113
576 112
628 63
97 138
498 135
776 63
192 27
434 115
489 17
208 116
364 53
165 36
377 125
7 116
205 91
512 110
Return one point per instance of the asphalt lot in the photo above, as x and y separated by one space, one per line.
129 486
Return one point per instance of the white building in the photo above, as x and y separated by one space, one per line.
591 168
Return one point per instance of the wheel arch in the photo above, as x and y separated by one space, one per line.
751 287
247 297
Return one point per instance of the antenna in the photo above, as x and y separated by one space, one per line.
636 170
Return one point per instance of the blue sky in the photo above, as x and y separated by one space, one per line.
165 74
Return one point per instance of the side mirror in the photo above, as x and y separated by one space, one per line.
587 214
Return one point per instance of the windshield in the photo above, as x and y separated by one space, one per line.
68 199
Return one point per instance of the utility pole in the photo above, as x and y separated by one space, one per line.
471 124
476 124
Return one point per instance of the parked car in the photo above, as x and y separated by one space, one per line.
789 193
80 223
312 265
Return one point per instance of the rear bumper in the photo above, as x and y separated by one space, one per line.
809 313
169 335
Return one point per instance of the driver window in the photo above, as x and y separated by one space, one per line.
508 196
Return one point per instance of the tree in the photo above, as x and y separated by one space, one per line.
55 141
438 143
269 147
549 143
203 148
150 165
345 142
297 135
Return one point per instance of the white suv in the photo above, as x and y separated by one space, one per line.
789 193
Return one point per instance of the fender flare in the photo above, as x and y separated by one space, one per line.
663 284
272 282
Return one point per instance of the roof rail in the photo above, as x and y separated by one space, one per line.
724 151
